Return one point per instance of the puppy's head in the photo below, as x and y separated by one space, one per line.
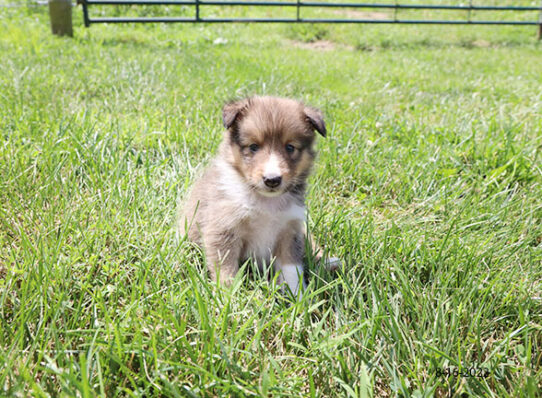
270 141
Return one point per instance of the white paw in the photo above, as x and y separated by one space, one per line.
292 276
332 263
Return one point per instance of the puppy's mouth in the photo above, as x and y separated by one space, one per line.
270 192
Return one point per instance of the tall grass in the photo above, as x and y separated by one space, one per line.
428 187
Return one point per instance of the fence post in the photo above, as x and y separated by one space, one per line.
60 12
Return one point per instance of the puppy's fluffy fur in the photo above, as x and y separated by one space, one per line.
250 202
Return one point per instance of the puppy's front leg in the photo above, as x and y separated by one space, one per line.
222 250
289 253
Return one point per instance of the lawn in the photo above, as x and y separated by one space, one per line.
428 186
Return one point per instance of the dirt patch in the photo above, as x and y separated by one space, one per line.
319 45
481 43
475 44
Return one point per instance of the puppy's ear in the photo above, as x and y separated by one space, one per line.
232 111
316 120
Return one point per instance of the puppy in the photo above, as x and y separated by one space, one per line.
250 202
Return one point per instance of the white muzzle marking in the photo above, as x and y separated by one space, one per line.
272 167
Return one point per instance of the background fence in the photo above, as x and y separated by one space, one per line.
297 11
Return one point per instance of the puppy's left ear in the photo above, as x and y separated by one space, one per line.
316 120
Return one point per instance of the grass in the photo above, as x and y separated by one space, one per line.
429 187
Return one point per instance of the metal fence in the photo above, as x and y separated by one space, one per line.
298 6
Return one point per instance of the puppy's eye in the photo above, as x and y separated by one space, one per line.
290 148
253 148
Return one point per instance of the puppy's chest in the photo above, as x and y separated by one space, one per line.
263 229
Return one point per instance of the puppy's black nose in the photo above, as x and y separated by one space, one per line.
272 182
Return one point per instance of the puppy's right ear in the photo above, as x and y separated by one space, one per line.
232 111
316 120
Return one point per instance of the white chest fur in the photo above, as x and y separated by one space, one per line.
264 229
263 218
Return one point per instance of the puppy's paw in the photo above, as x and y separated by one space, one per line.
332 264
292 281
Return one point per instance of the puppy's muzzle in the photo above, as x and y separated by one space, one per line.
272 182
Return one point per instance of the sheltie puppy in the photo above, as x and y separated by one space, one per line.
250 201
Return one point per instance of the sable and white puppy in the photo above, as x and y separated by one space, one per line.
250 202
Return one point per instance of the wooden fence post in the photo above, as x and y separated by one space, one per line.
60 12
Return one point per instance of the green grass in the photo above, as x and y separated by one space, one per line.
429 187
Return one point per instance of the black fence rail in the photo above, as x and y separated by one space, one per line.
299 5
